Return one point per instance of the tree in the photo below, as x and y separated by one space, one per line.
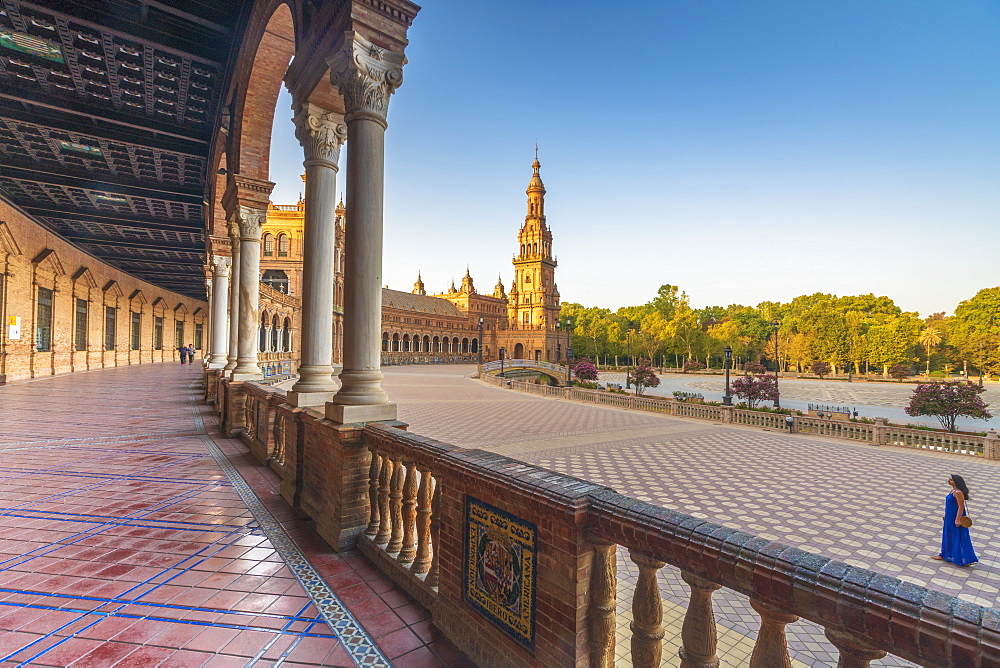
643 376
930 336
585 370
899 371
754 389
692 365
947 401
820 368
754 367
975 330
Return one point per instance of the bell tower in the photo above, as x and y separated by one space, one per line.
533 302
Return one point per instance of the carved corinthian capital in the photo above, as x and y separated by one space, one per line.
222 264
320 132
366 75
251 222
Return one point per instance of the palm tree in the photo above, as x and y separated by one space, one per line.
929 337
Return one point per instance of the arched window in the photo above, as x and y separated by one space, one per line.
406 343
275 332
454 345
287 335
385 342
416 343
437 344
268 243
475 345
465 345
276 280
282 245
427 344
395 343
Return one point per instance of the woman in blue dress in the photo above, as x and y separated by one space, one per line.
956 544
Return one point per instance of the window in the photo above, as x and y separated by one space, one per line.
276 279
268 242
199 330
282 245
43 327
178 334
158 333
80 326
136 330
110 326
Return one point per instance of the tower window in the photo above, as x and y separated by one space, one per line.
282 245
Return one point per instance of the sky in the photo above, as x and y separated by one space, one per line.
744 151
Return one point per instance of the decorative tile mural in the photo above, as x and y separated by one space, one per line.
500 578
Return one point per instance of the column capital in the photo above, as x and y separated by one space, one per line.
250 222
222 264
320 132
366 75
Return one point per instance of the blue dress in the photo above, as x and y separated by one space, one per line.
956 544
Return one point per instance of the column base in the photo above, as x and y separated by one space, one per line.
304 399
246 375
349 414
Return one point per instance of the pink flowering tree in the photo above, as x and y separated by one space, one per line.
820 368
754 367
585 370
692 365
948 401
755 389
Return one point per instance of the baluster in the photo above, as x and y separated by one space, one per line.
409 549
396 507
603 614
647 614
432 574
698 632
373 474
853 653
771 648
422 560
385 521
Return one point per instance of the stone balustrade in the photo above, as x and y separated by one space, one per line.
877 434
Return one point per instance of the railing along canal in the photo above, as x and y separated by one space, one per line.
879 433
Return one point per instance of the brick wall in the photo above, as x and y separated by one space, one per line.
32 257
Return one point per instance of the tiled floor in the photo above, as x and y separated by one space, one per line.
128 537
878 508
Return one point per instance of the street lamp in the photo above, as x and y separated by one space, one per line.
777 365
628 369
569 346
727 399
502 351
480 342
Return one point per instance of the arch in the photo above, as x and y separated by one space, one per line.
287 335
276 279
395 342
275 330
475 346
437 344
267 244
416 343
272 52
454 345
406 343
465 345
385 342
518 351
427 344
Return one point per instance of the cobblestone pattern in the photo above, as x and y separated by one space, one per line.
878 508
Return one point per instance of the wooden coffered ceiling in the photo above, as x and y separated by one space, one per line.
107 111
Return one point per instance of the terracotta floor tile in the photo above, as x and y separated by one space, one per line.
399 642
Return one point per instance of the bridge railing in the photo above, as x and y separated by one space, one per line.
495 366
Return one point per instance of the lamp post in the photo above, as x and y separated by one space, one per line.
569 347
727 399
480 342
777 365
502 351
628 341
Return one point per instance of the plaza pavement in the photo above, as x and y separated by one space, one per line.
875 507
131 534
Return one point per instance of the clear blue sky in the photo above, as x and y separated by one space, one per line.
745 151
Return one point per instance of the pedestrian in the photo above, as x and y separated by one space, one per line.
190 353
183 351
956 544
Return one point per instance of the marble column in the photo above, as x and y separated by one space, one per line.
206 340
234 298
366 75
251 222
321 134
220 311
